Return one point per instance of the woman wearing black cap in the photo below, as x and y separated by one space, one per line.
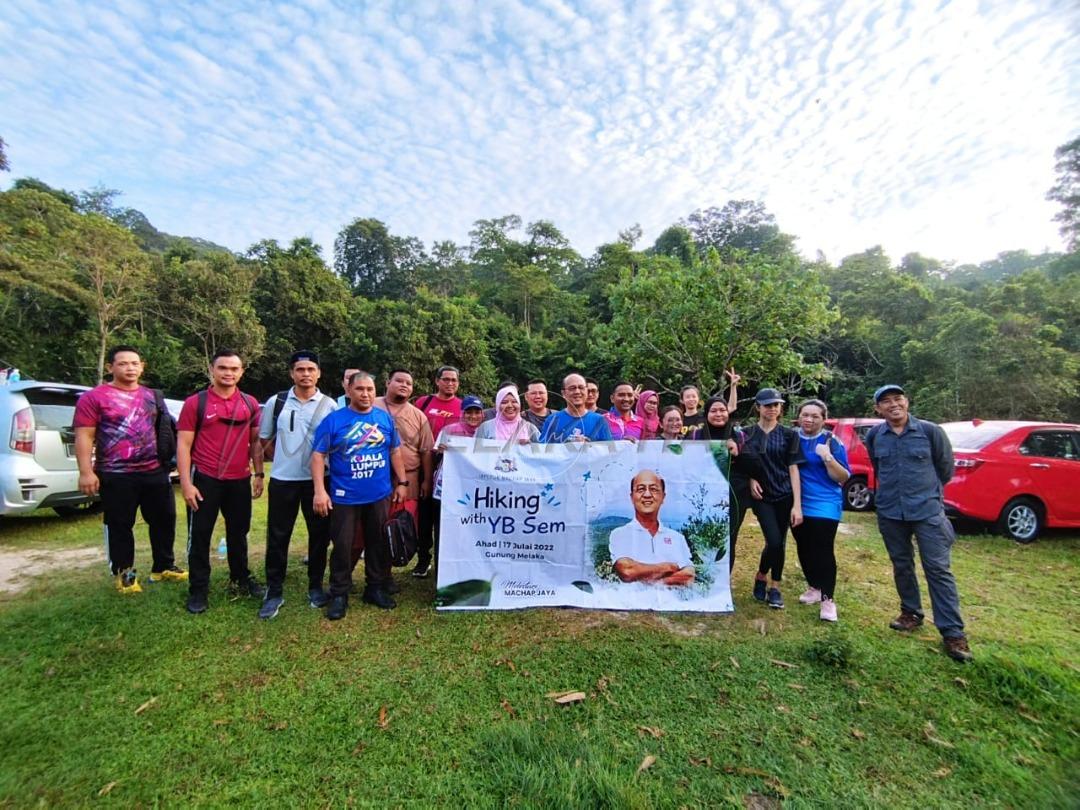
777 494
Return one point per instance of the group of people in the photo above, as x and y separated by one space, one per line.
350 464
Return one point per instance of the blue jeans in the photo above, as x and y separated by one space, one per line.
935 537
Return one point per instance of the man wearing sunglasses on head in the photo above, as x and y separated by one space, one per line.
217 448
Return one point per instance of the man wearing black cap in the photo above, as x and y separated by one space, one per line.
913 461
288 427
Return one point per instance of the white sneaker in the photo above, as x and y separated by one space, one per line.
828 610
811 597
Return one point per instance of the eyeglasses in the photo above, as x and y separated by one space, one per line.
574 388
653 489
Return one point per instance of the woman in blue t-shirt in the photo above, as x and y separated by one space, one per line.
823 475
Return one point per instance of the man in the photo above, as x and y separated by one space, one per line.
216 448
536 397
343 400
120 420
362 446
645 550
592 394
415 434
574 423
913 461
621 419
288 428
441 409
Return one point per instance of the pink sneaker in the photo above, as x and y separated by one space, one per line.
828 610
811 597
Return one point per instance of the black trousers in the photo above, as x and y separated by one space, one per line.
232 499
815 540
344 521
122 494
774 517
740 502
287 499
428 523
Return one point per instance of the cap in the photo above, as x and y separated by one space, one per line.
767 396
303 354
886 389
471 402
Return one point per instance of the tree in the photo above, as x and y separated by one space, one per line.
33 184
4 165
375 263
678 243
740 225
1066 192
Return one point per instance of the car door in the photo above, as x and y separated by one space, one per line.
1053 461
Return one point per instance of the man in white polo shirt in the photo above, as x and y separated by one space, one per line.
645 550
288 427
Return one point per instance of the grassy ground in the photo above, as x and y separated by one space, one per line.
131 701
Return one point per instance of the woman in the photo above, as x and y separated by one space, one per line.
646 409
689 399
472 416
508 426
718 427
822 478
776 495
671 424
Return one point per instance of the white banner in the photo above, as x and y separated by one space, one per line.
605 525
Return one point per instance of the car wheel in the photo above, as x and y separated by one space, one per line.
1021 519
858 497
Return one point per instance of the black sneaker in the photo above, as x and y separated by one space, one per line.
380 598
774 599
249 587
422 569
270 607
197 603
339 606
318 598
759 590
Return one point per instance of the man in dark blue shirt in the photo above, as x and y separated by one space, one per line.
913 461
575 423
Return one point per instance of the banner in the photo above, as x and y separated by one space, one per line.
613 525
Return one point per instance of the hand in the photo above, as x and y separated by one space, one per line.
192 496
322 504
257 485
400 491
89 483
755 490
733 376
680 577
637 391
823 453
425 489
732 448
796 516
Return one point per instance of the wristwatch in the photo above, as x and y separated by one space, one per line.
259 475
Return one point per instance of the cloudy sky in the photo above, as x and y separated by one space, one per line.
921 126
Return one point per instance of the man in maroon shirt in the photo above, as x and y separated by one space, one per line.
217 446
441 409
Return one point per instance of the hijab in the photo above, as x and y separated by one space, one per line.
506 428
649 424
707 431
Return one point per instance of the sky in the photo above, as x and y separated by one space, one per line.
919 126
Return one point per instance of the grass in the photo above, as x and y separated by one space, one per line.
132 702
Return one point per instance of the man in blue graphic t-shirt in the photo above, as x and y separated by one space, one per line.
575 423
361 444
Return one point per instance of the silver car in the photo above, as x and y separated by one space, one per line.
37 461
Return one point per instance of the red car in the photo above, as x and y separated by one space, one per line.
1023 476
859 488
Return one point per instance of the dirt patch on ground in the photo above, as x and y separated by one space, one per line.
18 568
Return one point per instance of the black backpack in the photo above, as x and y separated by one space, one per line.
165 432
401 536
270 442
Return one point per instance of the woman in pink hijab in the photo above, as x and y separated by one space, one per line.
647 408
508 426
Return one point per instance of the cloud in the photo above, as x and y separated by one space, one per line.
923 128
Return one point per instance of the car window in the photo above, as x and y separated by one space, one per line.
53 408
1050 444
968 436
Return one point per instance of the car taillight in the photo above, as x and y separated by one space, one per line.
22 431
966 465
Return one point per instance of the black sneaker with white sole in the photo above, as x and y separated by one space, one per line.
270 607
422 569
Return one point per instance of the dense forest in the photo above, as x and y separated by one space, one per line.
725 287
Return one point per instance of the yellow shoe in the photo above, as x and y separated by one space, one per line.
127 582
172 574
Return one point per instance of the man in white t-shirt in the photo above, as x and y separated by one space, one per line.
644 550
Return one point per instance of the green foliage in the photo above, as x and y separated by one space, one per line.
1066 192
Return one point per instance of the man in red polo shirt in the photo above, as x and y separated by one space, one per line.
217 447
441 409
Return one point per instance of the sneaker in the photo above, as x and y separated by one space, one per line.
249 587
270 607
957 649
811 596
828 610
380 598
774 599
128 582
171 574
197 603
339 606
759 590
317 598
906 621
422 569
